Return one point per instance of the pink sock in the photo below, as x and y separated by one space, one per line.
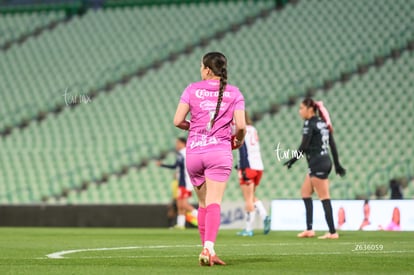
201 218
212 222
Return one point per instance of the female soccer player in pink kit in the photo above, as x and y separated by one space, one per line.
213 104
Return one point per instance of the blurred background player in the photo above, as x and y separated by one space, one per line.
172 209
396 190
317 136
183 191
250 171
213 105
172 206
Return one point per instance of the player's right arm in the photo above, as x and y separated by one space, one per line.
306 138
169 166
180 115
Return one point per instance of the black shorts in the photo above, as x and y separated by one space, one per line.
320 167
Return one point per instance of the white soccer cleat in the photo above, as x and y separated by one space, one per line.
205 258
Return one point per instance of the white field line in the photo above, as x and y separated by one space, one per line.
61 254
244 254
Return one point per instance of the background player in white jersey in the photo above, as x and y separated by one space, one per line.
250 171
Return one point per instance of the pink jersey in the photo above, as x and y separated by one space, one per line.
202 98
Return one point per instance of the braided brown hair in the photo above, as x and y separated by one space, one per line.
217 63
310 103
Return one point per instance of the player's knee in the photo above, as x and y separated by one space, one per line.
306 194
249 206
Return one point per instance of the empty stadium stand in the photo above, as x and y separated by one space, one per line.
102 151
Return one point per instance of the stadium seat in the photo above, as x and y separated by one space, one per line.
271 60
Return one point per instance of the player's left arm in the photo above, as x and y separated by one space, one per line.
180 114
338 167
240 123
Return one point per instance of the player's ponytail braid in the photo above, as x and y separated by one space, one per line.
217 63
223 83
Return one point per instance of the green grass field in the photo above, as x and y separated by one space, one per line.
166 251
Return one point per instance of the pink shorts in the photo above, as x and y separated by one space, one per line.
213 165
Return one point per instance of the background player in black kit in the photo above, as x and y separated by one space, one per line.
317 136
